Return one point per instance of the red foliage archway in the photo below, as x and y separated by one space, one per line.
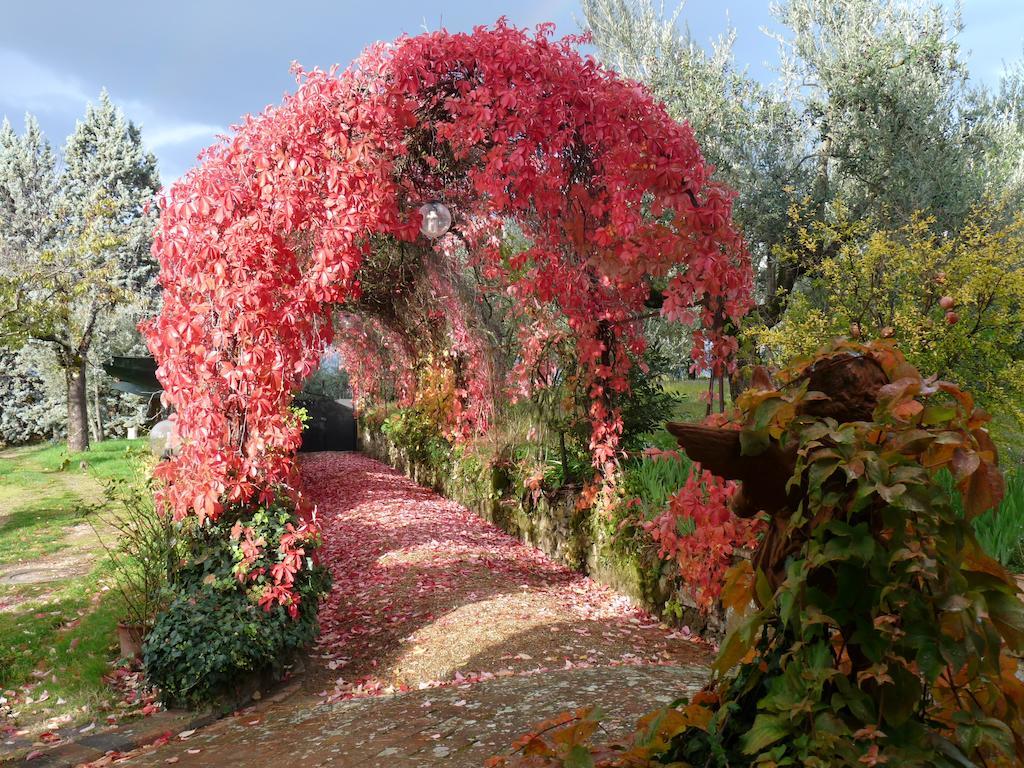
268 234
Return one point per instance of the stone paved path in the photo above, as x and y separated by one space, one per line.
443 640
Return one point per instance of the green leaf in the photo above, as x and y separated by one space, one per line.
1007 613
899 698
579 757
767 730
857 701
738 643
763 588
945 747
934 415
754 442
820 471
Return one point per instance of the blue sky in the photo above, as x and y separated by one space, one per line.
187 70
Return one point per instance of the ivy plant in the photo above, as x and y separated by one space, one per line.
891 639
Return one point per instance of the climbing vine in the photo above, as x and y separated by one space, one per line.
888 636
712 536
305 221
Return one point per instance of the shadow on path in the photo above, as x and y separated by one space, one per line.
444 639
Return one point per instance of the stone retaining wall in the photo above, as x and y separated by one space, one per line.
553 524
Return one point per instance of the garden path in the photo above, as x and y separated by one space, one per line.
76 547
443 640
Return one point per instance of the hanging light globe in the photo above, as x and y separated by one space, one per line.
437 219
160 438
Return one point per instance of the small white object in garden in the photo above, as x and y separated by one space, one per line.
160 438
437 219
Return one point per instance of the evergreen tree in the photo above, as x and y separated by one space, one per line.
28 228
74 248
104 156
30 409
28 194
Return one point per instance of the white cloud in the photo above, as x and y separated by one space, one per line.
28 86
169 135
159 130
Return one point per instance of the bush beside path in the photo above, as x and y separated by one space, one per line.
443 640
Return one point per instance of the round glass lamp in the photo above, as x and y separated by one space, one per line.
437 219
160 438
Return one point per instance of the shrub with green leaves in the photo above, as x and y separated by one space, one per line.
413 431
145 551
648 402
890 638
215 636
872 628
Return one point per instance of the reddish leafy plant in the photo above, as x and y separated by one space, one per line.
715 536
272 232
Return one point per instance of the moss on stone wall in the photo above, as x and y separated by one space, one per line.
553 524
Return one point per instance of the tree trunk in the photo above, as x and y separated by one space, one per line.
99 409
153 411
78 412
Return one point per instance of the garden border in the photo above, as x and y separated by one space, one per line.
554 525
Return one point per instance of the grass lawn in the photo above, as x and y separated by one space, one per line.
690 391
58 612
691 407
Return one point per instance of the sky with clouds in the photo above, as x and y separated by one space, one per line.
185 71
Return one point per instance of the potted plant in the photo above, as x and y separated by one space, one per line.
143 553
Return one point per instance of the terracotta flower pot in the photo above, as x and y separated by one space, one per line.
130 637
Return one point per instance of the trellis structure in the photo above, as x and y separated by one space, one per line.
264 240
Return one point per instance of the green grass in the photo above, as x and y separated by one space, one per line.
57 636
107 460
43 492
1009 438
1000 531
68 633
35 529
690 391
